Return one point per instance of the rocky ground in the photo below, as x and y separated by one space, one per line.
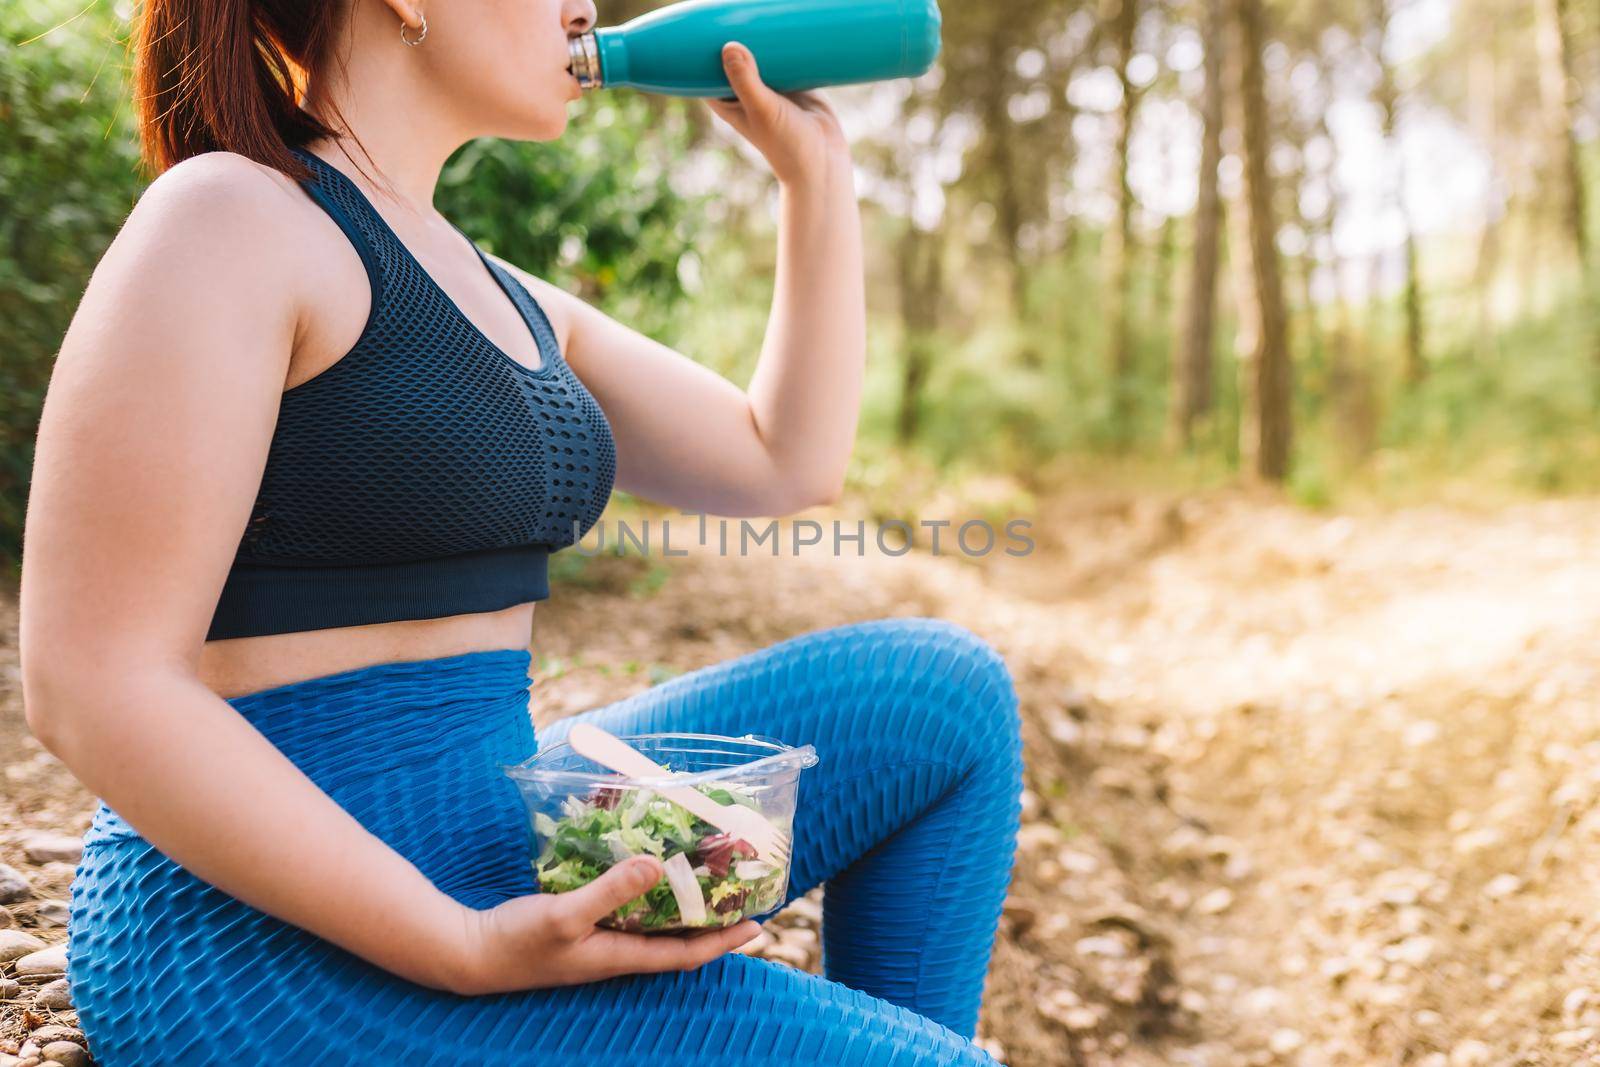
1303 789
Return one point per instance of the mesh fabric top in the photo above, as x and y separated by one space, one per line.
424 444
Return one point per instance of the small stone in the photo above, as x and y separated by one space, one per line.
802 936
1470 1054
1215 902
29 1050
1263 1001
8 1060
13 887
15 944
1080 1020
1285 1041
1075 862
52 913
1571 1039
784 952
1036 835
1414 951
52 960
53 848
54 996
1574 1002
807 909
1110 947
66 1052
44 1035
10 989
1031 806
1502 886
1021 914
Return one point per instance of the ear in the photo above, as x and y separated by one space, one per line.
407 11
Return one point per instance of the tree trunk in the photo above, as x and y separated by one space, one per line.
1416 366
1555 93
1192 370
921 268
1120 236
1267 412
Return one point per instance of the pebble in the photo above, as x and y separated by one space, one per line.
8 1060
1215 902
793 955
807 909
52 960
66 1052
15 944
13 887
10 988
43 1035
1101 945
805 938
1285 1041
1470 1054
54 997
52 913
1502 886
53 848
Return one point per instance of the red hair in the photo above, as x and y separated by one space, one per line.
228 75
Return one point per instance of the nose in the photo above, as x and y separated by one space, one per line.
579 16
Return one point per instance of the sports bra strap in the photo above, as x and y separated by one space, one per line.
327 190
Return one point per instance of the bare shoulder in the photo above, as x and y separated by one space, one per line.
220 202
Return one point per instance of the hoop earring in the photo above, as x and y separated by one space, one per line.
420 36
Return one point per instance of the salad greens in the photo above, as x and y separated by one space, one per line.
713 879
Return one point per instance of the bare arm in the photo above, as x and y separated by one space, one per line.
687 436
151 445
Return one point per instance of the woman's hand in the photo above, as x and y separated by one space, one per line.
798 133
550 939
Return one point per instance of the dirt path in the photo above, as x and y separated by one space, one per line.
1303 789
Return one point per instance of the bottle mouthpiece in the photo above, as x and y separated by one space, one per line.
585 64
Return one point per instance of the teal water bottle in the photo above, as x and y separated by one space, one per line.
798 44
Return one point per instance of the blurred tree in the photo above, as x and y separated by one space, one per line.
920 263
1005 68
67 179
1266 416
1557 95
1193 366
1388 97
1121 20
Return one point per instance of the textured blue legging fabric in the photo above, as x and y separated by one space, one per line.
909 820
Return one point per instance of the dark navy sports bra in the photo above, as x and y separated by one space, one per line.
426 473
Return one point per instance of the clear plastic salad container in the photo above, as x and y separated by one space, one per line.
586 818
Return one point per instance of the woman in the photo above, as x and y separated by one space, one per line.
304 455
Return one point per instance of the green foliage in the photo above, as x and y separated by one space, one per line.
594 212
67 180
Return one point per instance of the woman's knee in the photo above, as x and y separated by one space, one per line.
965 696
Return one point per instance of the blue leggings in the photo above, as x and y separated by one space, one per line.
909 820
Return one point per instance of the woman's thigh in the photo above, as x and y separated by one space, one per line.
183 971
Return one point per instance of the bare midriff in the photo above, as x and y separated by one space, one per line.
243 665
